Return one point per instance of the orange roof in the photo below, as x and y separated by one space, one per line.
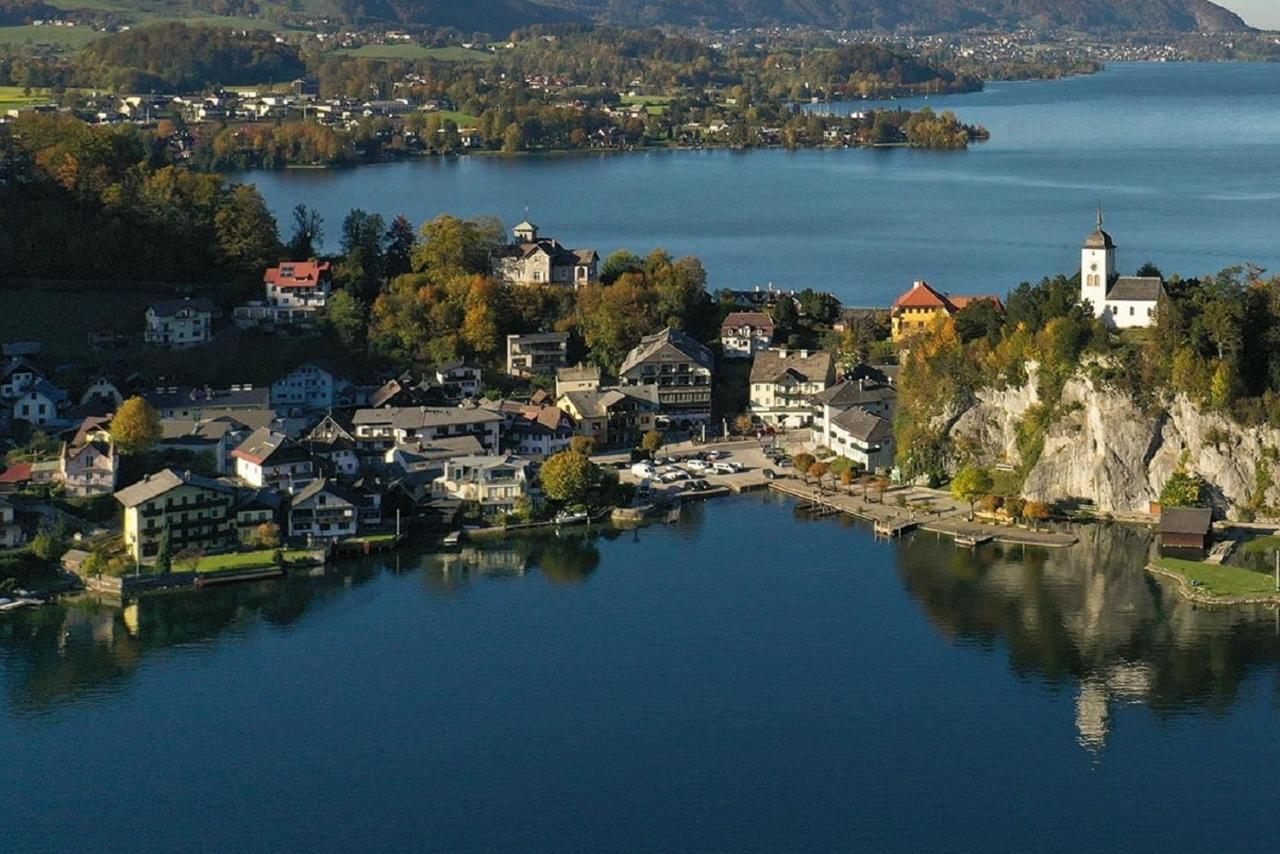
924 295
16 473
296 274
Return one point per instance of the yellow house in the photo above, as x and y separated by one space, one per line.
915 310
195 509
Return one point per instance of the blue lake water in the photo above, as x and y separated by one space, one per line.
1184 157
746 680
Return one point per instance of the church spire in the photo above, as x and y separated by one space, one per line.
1099 215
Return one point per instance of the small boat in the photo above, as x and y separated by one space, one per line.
7 604
452 539
972 540
577 517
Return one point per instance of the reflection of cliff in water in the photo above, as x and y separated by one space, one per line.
1090 619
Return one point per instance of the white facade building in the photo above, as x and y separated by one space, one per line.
1121 302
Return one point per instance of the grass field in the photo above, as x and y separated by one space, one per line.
655 105
70 38
241 561
12 98
462 120
1221 580
452 53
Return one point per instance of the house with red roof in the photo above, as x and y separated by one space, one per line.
915 310
299 284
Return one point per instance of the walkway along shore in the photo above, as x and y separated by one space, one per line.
891 519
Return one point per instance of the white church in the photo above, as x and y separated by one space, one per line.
1123 302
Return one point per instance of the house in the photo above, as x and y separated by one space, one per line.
180 323
252 509
861 393
104 390
40 403
1185 528
199 404
194 509
421 457
403 391
614 417
458 380
272 459
533 430
783 383
215 438
11 535
299 285
306 388
323 510
89 467
536 354
15 477
745 333
862 437
17 376
1121 302
379 429
332 443
534 260
917 309
680 367
496 483
580 377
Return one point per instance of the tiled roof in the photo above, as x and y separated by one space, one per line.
804 365
296 274
738 319
154 485
1137 289
863 426
651 345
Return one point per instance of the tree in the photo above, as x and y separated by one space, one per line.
363 245
618 264
818 471
400 241
1036 512
164 551
135 427
785 315
1183 489
50 542
452 246
247 235
308 233
266 536
189 558
743 424
652 441
568 477
1150 270
1222 386
970 484
585 445
345 318
803 462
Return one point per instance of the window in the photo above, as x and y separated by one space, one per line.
1131 311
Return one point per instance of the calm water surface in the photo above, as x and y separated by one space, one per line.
744 681
1185 157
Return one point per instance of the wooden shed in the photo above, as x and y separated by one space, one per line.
1185 527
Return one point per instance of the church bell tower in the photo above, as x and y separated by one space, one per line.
1097 267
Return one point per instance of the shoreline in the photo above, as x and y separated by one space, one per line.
1191 594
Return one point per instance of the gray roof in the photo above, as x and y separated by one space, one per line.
1186 520
1136 288
155 485
853 393
168 308
651 345
253 398
1099 240
538 337
599 402
770 365
174 429
578 373
863 426
317 486
419 417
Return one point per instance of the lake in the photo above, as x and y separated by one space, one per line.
745 680
1185 159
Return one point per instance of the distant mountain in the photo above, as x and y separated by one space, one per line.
920 15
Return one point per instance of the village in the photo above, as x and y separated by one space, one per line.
121 481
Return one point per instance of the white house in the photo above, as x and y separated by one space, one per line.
1122 302
323 510
272 459
745 333
458 380
40 404
537 353
89 467
534 260
496 483
180 323
783 383
382 428
307 387
862 437
17 376
104 389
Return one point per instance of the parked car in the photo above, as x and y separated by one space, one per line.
642 470
769 474
696 465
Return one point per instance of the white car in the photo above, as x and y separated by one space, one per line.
696 465
726 468
642 470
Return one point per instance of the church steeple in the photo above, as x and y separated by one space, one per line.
1097 267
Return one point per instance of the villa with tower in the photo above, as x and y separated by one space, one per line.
1121 302
531 259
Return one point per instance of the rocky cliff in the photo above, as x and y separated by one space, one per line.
1105 449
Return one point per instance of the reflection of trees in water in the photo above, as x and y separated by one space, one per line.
564 558
67 650
1091 619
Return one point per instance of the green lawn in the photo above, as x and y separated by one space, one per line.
1221 580
66 37
462 120
12 98
451 53
241 561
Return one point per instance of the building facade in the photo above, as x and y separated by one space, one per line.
680 368
537 353
195 510
181 323
783 385
745 333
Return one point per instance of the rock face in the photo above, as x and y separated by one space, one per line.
1106 450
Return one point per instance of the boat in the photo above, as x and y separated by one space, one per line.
576 517
7 604
452 539
972 540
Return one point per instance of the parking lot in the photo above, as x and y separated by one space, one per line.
692 469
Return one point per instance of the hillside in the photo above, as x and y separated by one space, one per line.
920 15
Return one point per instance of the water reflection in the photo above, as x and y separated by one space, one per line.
1090 620
1086 621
